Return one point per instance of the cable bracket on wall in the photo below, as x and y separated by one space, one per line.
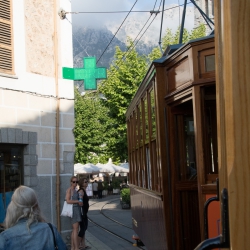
62 13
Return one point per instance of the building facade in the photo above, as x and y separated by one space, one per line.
36 104
207 7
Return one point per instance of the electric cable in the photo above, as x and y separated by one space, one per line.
105 12
36 94
155 4
115 33
136 37
123 21
133 45
161 27
127 53
126 17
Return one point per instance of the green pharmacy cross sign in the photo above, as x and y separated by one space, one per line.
89 73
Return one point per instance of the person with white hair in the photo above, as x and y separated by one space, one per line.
25 228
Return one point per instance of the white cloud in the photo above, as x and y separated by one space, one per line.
134 22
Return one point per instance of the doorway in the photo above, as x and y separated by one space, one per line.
11 174
184 170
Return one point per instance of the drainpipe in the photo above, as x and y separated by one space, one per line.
57 119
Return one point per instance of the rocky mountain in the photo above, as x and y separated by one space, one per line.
93 42
93 38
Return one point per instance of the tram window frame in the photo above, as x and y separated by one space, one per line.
178 109
146 119
140 105
152 114
149 167
203 73
139 167
210 144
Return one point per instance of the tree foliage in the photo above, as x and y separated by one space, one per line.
124 77
90 128
173 38
100 124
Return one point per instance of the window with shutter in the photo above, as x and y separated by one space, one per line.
6 46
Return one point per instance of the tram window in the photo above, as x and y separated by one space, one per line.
138 164
138 178
142 167
152 105
11 173
146 120
185 143
143 179
210 132
210 63
148 168
137 124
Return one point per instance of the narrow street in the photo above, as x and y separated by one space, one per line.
110 226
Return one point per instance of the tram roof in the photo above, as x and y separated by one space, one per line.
171 49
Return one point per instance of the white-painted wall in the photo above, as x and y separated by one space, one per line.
28 100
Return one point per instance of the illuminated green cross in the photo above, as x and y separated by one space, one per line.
89 73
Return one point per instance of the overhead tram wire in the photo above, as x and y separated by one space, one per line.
116 33
132 46
81 12
150 23
105 12
127 53
161 27
154 5
124 20
124 56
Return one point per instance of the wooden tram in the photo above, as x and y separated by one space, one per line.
187 127
172 142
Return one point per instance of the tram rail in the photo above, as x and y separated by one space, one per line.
109 231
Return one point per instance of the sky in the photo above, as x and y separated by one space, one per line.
172 17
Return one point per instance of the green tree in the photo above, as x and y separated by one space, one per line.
169 39
124 77
100 124
90 128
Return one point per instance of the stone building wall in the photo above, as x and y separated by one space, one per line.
207 8
28 101
39 29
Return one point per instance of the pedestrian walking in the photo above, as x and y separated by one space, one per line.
83 183
72 198
95 189
100 188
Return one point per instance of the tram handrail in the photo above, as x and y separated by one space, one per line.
223 240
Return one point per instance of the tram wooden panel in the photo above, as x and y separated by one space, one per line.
167 200
178 74
147 212
232 62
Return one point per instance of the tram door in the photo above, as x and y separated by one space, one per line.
184 176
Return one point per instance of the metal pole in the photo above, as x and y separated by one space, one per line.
57 119
182 22
161 26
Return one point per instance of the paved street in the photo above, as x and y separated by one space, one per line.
97 237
